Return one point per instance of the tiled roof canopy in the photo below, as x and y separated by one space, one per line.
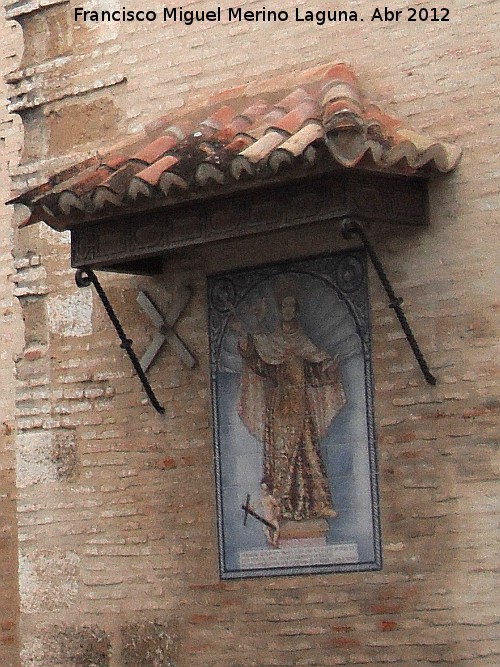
318 121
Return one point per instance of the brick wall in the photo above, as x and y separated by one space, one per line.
11 337
116 515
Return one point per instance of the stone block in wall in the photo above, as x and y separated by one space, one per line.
68 646
45 456
35 313
48 580
30 279
81 123
82 646
70 314
149 644
47 33
64 454
33 459
53 238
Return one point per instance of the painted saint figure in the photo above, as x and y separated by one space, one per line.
290 392
271 512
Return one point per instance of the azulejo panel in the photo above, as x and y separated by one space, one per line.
293 418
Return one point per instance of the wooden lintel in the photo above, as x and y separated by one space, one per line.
136 243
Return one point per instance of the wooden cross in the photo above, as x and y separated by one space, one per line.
165 326
248 509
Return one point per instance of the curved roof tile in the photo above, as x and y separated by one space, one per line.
256 132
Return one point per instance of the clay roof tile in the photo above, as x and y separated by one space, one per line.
219 118
156 149
307 110
152 173
261 148
242 133
293 99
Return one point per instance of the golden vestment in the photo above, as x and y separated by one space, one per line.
290 392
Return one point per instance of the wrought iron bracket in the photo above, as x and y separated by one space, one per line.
352 228
86 277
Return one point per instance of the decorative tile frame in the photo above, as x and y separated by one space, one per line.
327 345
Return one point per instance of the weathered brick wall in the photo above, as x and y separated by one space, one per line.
116 508
11 344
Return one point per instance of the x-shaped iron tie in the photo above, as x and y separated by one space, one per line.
165 326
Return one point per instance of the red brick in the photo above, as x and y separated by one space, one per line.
387 626
5 626
168 463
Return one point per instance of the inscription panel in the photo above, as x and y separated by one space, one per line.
306 556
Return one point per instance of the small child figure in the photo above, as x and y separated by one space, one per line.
271 513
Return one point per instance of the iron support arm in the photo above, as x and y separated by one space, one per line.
86 277
352 228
